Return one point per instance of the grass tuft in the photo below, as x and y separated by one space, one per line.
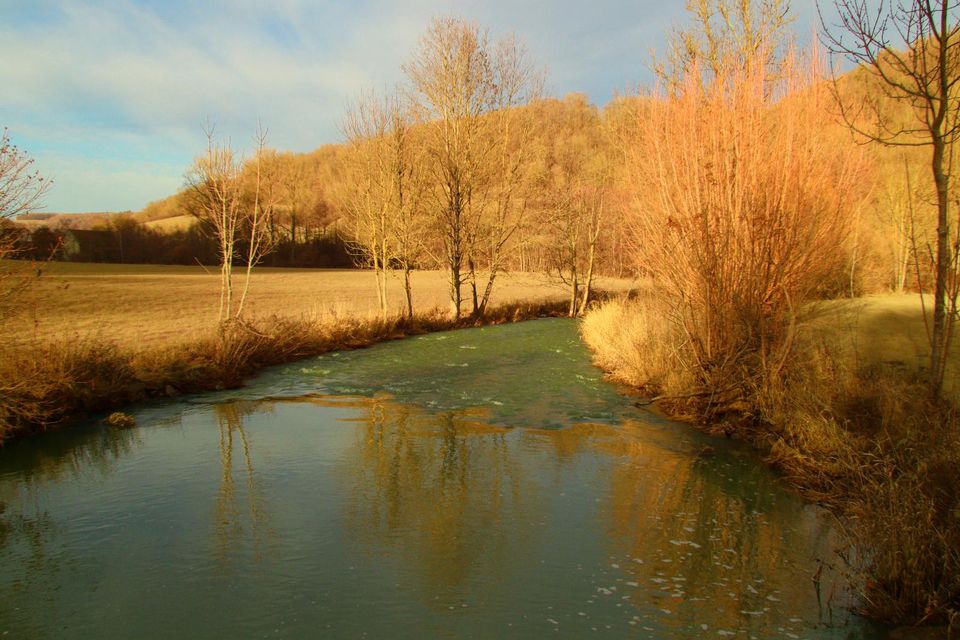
635 341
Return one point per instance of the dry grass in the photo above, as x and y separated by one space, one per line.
885 330
868 442
168 225
635 341
146 306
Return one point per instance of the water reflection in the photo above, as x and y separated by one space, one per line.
239 510
694 540
434 491
705 529
70 452
28 530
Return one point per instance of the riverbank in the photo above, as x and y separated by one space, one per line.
50 384
852 431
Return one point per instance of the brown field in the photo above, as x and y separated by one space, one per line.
150 306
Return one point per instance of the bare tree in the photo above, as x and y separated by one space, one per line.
21 186
408 226
215 182
368 195
466 86
911 51
22 189
724 33
898 203
575 186
504 193
384 190
260 240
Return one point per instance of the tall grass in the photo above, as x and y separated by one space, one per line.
638 343
870 443
47 385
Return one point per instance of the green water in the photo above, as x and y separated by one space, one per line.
483 483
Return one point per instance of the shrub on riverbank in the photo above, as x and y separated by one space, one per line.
862 439
46 385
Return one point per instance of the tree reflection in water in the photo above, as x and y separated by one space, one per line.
26 527
694 540
434 491
712 531
231 519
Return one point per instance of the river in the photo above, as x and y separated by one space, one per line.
482 483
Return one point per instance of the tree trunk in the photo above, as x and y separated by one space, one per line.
487 292
455 298
384 264
939 341
293 238
473 286
588 281
574 291
408 290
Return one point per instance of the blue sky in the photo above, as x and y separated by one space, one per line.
110 97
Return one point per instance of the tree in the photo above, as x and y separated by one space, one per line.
408 225
901 211
214 181
736 242
259 239
467 89
724 33
504 192
575 194
216 185
911 51
382 192
22 189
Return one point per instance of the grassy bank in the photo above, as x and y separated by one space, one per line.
847 421
49 384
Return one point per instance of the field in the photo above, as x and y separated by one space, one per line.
886 329
158 305
168 225
149 306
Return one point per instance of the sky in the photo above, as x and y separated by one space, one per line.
110 97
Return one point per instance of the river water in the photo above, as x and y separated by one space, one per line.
482 483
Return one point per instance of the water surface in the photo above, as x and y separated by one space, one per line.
482 483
